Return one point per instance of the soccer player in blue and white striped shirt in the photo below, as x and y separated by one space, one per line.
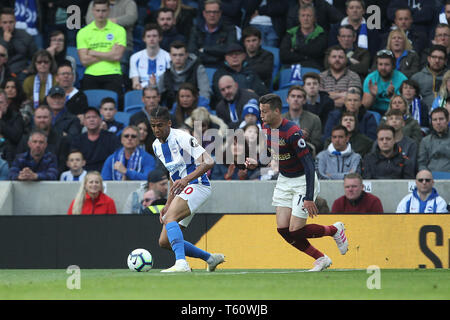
187 163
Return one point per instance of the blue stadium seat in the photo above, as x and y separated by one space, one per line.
94 97
441 175
276 63
132 97
285 79
123 117
132 109
305 70
376 115
210 72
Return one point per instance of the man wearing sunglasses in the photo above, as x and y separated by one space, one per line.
129 162
424 198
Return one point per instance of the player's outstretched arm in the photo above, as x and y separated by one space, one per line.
205 163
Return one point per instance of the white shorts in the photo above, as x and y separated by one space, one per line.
195 195
290 193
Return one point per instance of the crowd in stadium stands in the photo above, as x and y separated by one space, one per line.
372 99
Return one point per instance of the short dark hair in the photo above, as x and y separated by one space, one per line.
160 113
335 48
340 127
164 9
273 100
313 75
250 31
394 112
178 44
438 47
348 27
385 127
152 26
101 2
411 83
440 109
8 11
107 100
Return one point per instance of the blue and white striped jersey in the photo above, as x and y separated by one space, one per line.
178 154
143 67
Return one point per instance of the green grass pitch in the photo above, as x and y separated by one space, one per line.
118 284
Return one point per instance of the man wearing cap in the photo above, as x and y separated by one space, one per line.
157 182
62 121
381 84
95 144
236 66
233 100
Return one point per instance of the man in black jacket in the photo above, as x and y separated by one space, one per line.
76 100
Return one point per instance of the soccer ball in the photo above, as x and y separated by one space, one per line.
140 260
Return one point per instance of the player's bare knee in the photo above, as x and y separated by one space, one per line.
164 243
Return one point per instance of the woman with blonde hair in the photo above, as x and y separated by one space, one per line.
90 198
407 60
444 92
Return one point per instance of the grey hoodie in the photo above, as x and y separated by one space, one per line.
331 165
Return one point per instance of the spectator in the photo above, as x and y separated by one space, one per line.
201 117
358 59
121 12
444 92
18 102
186 103
95 144
90 198
233 100
236 67
145 135
128 162
430 77
35 164
157 182
184 15
424 198
355 199
231 12
445 18
166 21
410 147
361 144
412 127
63 121
404 21
238 148
108 111
102 58
147 65
269 17
407 60
367 124
4 68
4 170
434 149
184 67
57 143
326 13
259 60
338 159
381 84
417 108
338 78
210 37
305 43
151 99
37 85
58 49
20 45
423 12
152 205
367 38
11 129
441 37
387 161
250 114
76 101
75 162
309 123
317 101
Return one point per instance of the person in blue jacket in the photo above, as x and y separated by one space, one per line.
129 162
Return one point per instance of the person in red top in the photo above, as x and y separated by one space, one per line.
90 198
356 200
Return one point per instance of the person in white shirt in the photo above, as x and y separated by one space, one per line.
187 163
75 162
424 198
147 65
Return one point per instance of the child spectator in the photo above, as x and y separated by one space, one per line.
250 114
108 111
75 162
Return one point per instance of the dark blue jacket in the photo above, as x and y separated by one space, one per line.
46 168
